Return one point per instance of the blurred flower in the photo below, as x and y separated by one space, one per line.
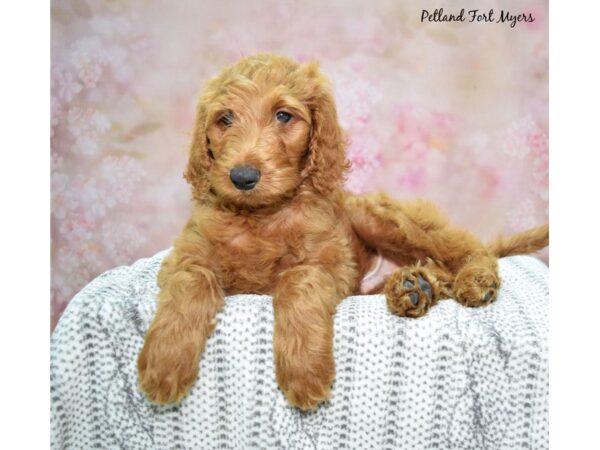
111 27
64 84
55 113
522 216
88 58
422 138
122 239
365 158
540 174
119 176
355 98
412 178
524 136
421 129
88 121
86 125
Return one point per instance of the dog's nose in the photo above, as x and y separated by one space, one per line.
244 177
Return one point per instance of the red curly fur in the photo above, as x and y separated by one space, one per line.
296 235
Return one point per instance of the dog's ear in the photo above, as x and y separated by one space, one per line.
326 164
200 158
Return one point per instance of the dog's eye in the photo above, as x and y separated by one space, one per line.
283 117
227 119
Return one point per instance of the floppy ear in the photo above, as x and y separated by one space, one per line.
327 164
199 162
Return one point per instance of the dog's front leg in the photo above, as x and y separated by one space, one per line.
304 301
188 301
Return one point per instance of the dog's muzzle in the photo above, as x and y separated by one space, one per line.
244 177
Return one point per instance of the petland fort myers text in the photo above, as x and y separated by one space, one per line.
476 15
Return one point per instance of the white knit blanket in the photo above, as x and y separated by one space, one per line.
458 378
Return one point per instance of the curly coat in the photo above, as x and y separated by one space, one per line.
296 234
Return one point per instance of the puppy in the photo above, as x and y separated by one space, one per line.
270 216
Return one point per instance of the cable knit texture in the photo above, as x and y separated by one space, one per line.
457 378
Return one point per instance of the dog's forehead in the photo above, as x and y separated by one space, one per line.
263 91
264 66
263 83
261 74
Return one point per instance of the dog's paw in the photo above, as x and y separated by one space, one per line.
476 286
305 381
166 374
307 391
410 292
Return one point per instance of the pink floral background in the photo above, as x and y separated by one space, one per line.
454 112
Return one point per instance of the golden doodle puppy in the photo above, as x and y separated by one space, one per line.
270 216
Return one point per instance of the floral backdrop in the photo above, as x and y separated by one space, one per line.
455 112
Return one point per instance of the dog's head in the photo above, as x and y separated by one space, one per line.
266 126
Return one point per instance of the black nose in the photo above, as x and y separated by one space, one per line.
244 177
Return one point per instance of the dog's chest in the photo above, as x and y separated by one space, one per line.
249 255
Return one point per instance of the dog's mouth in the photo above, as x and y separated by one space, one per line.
253 199
250 186
245 201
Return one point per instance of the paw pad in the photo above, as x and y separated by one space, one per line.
488 296
425 287
414 298
409 293
476 286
